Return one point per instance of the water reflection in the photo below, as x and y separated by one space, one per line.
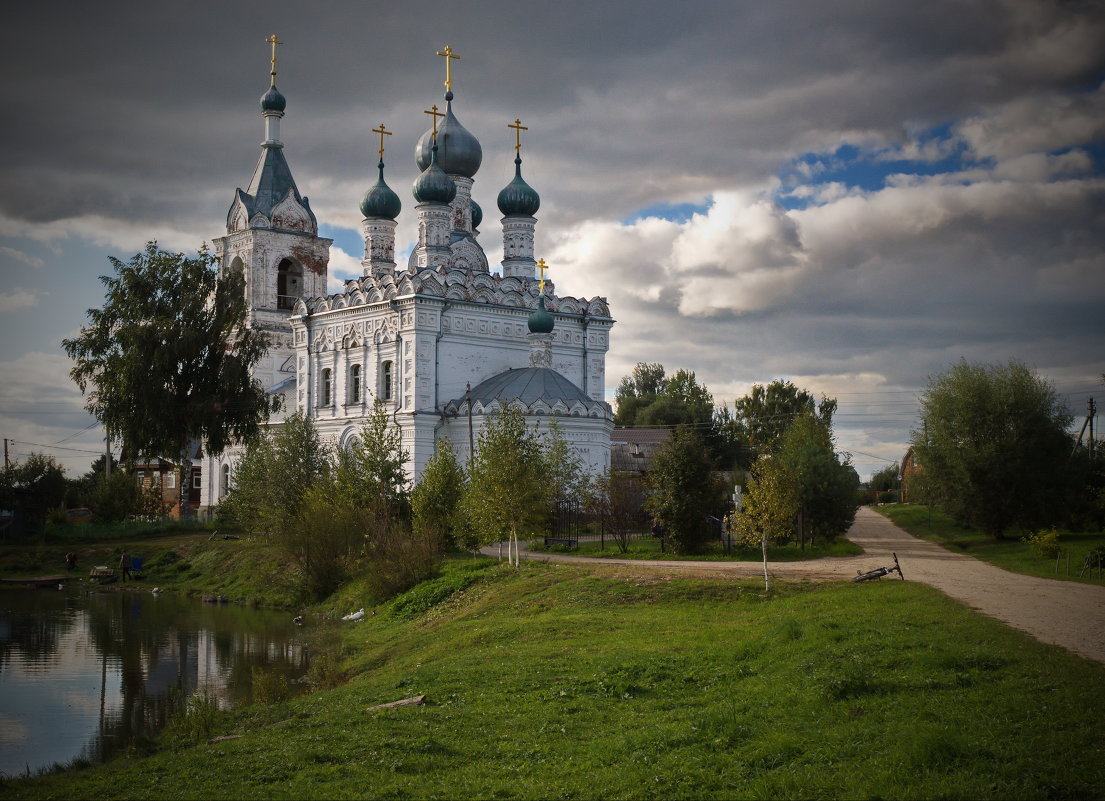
84 674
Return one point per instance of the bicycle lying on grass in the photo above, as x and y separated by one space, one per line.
879 572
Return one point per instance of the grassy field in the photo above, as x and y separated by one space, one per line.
183 559
1011 554
564 681
649 548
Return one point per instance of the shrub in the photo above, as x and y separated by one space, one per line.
269 686
1045 543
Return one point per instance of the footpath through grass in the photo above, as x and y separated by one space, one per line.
649 548
1011 554
560 681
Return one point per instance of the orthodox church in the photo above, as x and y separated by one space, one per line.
443 341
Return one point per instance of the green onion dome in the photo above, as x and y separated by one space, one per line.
458 152
272 100
477 214
380 202
433 185
541 322
518 199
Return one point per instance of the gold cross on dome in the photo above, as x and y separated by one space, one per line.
433 110
518 128
274 42
384 132
449 56
542 267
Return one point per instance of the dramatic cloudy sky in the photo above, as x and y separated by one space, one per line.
849 195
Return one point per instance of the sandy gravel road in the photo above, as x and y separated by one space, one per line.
1063 613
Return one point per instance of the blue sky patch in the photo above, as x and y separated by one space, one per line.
868 170
676 212
347 239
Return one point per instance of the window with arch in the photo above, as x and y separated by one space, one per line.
289 283
355 384
224 486
385 380
326 388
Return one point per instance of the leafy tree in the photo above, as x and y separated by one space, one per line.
33 487
638 390
762 416
885 479
567 477
770 504
372 472
116 497
274 475
436 499
683 490
509 489
167 360
617 499
993 446
825 487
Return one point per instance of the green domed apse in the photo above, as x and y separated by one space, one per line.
272 100
518 199
541 322
380 202
433 185
477 214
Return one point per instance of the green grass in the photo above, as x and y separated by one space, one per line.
649 548
564 681
181 560
1011 554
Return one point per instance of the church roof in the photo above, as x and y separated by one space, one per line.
272 181
539 390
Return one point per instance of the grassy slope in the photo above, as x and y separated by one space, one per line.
649 548
561 681
1011 554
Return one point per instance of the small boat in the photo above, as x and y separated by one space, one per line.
37 581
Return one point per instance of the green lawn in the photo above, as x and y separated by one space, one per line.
564 681
649 548
1011 554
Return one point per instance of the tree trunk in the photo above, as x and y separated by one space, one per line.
763 547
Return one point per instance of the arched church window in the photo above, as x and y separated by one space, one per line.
355 384
325 390
224 486
289 283
385 380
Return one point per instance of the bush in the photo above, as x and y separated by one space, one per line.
1045 543
269 686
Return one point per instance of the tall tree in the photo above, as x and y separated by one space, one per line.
167 360
993 446
825 497
435 500
638 390
682 489
509 488
764 414
373 469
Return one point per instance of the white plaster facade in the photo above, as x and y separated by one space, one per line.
417 337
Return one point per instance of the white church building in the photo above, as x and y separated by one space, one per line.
443 340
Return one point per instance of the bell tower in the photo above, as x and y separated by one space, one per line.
272 237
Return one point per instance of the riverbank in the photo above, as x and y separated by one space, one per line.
192 562
574 681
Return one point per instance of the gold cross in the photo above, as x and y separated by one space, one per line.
542 267
518 128
433 110
384 132
274 42
449 56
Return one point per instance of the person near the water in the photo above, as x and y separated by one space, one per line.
71 561
124 565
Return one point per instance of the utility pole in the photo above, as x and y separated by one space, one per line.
107 458
7 461
1090 416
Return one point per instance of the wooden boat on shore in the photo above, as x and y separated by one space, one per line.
37 581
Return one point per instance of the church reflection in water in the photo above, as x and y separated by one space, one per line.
86 674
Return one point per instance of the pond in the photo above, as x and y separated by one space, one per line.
85 673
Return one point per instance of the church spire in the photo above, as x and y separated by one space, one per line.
518 201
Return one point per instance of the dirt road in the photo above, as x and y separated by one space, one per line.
1064 613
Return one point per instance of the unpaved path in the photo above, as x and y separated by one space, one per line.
1064 613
